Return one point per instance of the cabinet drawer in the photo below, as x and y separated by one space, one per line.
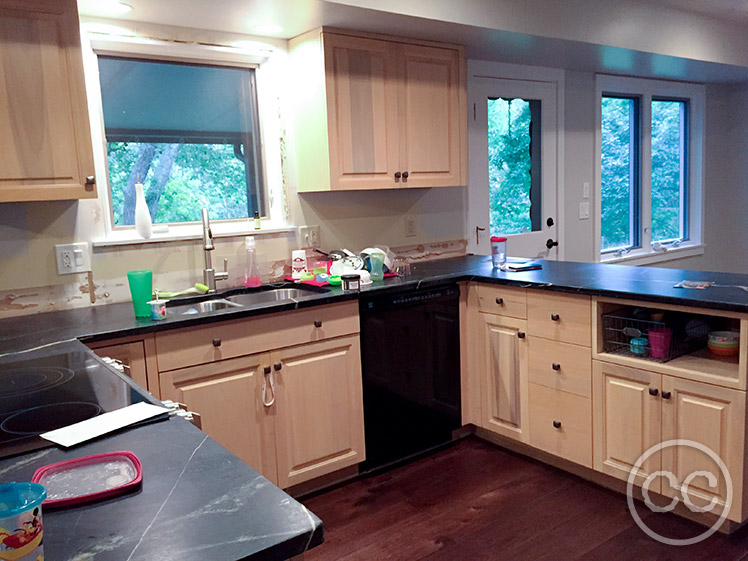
503 300
561 424
561 366
219 341
559 317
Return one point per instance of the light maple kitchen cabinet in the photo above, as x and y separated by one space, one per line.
501 348
137 354
45 138
283 392
636 409
378 112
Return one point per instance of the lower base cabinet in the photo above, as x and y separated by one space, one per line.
636 409
228 396
319 416
292 414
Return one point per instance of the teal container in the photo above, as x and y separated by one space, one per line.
21 529
376 258
141 291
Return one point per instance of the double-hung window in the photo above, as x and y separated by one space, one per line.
649 168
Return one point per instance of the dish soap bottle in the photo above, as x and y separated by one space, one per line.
251 276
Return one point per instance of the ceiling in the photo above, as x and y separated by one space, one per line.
482 43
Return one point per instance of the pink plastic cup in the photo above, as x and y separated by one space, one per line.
659 342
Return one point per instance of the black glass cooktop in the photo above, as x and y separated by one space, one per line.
53 387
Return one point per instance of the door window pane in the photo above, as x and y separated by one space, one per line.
619 204
188 132
669 195
514 165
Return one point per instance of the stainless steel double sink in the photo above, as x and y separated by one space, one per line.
241 298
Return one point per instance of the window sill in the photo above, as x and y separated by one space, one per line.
191 232
650 257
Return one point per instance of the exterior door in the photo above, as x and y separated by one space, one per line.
504 373
626 420
319 409
513 154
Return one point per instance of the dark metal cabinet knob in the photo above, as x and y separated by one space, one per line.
556 366
550 244
521 334
277 366
666 395
216 342
317 323
556 424
398 175
653 391
555 317
405 175
266 370
499 301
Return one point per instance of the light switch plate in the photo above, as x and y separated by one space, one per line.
584 211
73 258
410 226
586 190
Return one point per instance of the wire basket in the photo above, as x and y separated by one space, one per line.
658 341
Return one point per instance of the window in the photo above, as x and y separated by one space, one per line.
188 132
650 167
514 165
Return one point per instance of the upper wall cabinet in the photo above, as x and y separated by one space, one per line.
45 138
377 113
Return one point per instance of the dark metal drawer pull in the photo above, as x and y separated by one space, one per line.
666 395
556 424
521 334
277 366
556 366
555 317
653 391
216 342
499 301
317 323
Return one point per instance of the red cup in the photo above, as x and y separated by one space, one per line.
659 341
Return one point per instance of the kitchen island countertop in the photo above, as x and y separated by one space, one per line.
107 321
197 501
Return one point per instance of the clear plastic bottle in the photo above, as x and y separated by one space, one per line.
251 275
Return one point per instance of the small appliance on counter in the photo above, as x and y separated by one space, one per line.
56 386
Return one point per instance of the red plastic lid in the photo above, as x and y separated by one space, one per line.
498 239
111 486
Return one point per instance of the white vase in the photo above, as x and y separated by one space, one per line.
143 224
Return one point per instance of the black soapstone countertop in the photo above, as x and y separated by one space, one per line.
652 284
197 501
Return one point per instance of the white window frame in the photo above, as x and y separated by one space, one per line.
646 90
276 219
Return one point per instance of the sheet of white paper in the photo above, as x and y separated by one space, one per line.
107 422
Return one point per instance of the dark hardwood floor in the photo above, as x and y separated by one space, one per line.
477 502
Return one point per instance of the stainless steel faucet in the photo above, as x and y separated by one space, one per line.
210 276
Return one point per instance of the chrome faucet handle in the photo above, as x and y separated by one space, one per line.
223 275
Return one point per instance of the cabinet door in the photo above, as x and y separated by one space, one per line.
504 373
433 128
626 420
362 112
228 397
45 139
711 416
319 409
132 355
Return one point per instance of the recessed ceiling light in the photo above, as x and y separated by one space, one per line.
267 29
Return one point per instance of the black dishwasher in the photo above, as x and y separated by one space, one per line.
410 354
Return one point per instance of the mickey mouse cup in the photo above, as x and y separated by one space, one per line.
21 521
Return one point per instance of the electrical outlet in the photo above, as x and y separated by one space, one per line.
410 226
308 236
73 258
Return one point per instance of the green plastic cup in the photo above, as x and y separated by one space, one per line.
141 290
